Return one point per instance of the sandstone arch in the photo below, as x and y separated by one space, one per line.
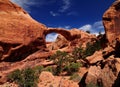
69 35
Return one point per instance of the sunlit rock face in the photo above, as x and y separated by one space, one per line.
20 35
111 21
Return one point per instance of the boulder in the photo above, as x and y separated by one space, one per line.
46 79
59 43
104 75
96 57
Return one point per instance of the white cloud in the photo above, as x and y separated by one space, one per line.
54 14
73 13
65 27
63 8
24 3
66 6
98 25
97 33
86 27
51 37
94 28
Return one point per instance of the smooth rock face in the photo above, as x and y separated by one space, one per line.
19 33
97 56
111 21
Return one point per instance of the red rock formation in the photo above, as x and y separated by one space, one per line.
111 21
19 33
73 37
69 35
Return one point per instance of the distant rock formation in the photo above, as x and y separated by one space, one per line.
69 38
69 35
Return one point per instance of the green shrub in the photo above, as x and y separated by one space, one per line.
65 62
81 53
59 59
15 76
30 78
24 78
78 53
92 85
75 77
50 69
38 69
72 68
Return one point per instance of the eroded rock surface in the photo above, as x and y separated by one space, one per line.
19 33
111 21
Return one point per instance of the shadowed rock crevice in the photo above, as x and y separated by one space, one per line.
117 81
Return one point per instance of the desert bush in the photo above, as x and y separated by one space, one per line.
59 59
29 78
75 77
24 78
72 68
38 69
92 85
65 63
81 53
78 53
16 76
50 69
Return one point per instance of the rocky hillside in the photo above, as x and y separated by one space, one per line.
76 59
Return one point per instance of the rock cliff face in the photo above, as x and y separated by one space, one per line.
111 21
19 33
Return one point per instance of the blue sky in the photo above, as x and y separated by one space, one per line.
81 14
